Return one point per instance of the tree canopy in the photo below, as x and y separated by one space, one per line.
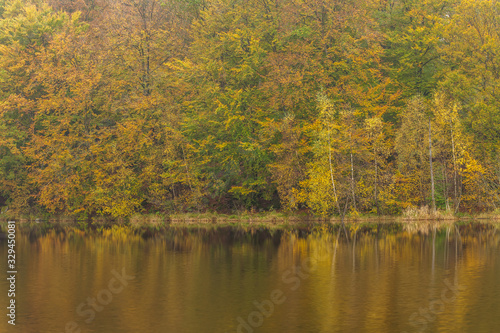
330 107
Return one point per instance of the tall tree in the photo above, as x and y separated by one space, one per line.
25 31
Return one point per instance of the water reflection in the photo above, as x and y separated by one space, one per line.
425 277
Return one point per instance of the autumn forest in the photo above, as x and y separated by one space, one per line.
119 107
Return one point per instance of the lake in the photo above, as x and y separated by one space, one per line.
415 277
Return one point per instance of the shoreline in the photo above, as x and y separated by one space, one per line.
269 219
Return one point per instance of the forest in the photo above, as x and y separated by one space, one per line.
122 107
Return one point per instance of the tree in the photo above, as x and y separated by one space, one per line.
472 52
378 150
411 146
290 155
414 34
25 31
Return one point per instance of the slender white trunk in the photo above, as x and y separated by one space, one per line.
331 173
445 177
455 199
352 185
376 189
334 189
432 172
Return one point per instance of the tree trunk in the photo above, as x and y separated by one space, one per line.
455 199
334 189
445 177
331 173
352 185
432 172
376 184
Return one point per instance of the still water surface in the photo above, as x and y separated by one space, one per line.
384 278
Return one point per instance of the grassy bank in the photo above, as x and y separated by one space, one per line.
269 219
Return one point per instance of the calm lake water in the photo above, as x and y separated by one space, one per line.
384 278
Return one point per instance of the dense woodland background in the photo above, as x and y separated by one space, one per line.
117 107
